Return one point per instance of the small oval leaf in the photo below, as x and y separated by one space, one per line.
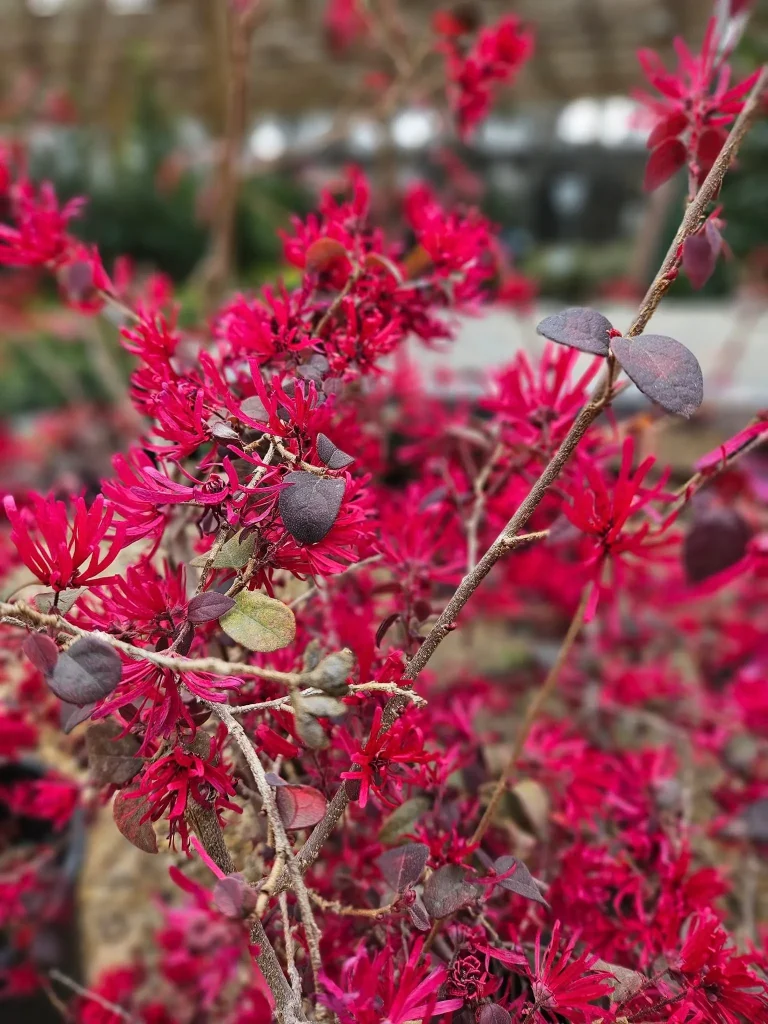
520 881
402 866
418 914
233 897
664 370
42 652
128 809
331 674
717 539
309 505
71 715
300 806
581 328
447 890
332 456
259 623
232 555
112 756
699 258
87 672
322 252
208 606
402 819
493 1014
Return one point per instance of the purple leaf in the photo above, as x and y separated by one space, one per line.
233 897
717 539
418 914
128 809
699 259
402 867
254 409
208 606
581 328
88 671
71 715
330 455
111 755
520 881
309 505
42 652
664 370
385 626
300 806
665 161
447 890
493 1014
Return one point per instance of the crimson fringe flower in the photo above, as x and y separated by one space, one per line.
63 554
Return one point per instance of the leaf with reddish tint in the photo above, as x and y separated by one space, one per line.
492 1014
233 897
669 128
42 652
664 162
402 867
330 455
711 142
384 626
664 370
300 806
417 912
309 505
447 890
520 881
128 809
732 446
717 539
578 327
376 260
111 755
254 409
208 606
699 258
71 715
322 253
88 671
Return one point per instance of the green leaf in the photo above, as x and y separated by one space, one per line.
233 555
259 623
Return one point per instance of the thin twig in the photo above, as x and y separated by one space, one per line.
691 222
94 997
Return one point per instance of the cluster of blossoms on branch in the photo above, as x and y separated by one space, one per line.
219 634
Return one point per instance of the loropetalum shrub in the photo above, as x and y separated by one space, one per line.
237 632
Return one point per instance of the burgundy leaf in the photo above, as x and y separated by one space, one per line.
42 652
669 128
578 327
88 671
418 914
322 252
309 505
520 881
128 809
330 455
111 754
300 806
493 1014
665 161
699 258
71 715
402 867
208 606
717 539
254 409
664 370
447 890
385 626
233 897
